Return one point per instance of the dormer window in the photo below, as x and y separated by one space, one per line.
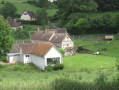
25 13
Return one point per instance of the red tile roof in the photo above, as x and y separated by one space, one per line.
39 49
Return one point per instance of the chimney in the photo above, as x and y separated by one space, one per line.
38 28
46 30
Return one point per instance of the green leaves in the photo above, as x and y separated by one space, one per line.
8 10
6 38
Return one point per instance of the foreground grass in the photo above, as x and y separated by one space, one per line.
88 61
80 68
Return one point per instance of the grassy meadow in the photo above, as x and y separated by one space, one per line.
23 6
106 48
81 67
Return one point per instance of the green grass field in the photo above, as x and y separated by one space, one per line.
83 67
105 47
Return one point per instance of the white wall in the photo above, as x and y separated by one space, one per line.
25 17
38 61
53 53
27 59
11 59
67 42
52 0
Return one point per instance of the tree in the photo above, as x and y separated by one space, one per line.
42 3
82 24
41 16
8 10
6 39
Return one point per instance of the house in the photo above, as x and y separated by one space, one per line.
15 25
58 37
40 54
52 0
28 15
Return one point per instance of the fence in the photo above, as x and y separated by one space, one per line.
91 37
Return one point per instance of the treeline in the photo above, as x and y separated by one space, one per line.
42 3
75 16
105 24
107 5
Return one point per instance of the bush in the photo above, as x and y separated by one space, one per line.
2 2
33 22
62 51
117 36
49 68
58 66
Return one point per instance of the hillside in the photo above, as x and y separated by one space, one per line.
105 47
23 6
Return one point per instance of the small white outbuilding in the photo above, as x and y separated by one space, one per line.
40 54
28 15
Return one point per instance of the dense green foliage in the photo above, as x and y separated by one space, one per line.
76 16
8 10
108 5
42 17
49 68
58 67
6 39
62 51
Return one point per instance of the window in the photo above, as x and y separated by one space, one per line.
27 56
52 61
67 44
25 13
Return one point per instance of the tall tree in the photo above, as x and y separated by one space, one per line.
82 24
42 16
8 10
6 39
42 3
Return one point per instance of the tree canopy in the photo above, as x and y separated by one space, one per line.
6 39
8 10
41 16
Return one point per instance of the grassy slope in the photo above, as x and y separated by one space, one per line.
106 48
112 49
21 7
88 61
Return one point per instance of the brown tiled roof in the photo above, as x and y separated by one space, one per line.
58 30
42 35
15 48
14 23
58 38
39 49
27 47
31 14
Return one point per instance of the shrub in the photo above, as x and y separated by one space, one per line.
62 51
117 36
2 2
49 68
58 66
33 22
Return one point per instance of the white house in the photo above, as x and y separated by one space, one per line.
52 0
58 37
40 54
15 25
28 15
